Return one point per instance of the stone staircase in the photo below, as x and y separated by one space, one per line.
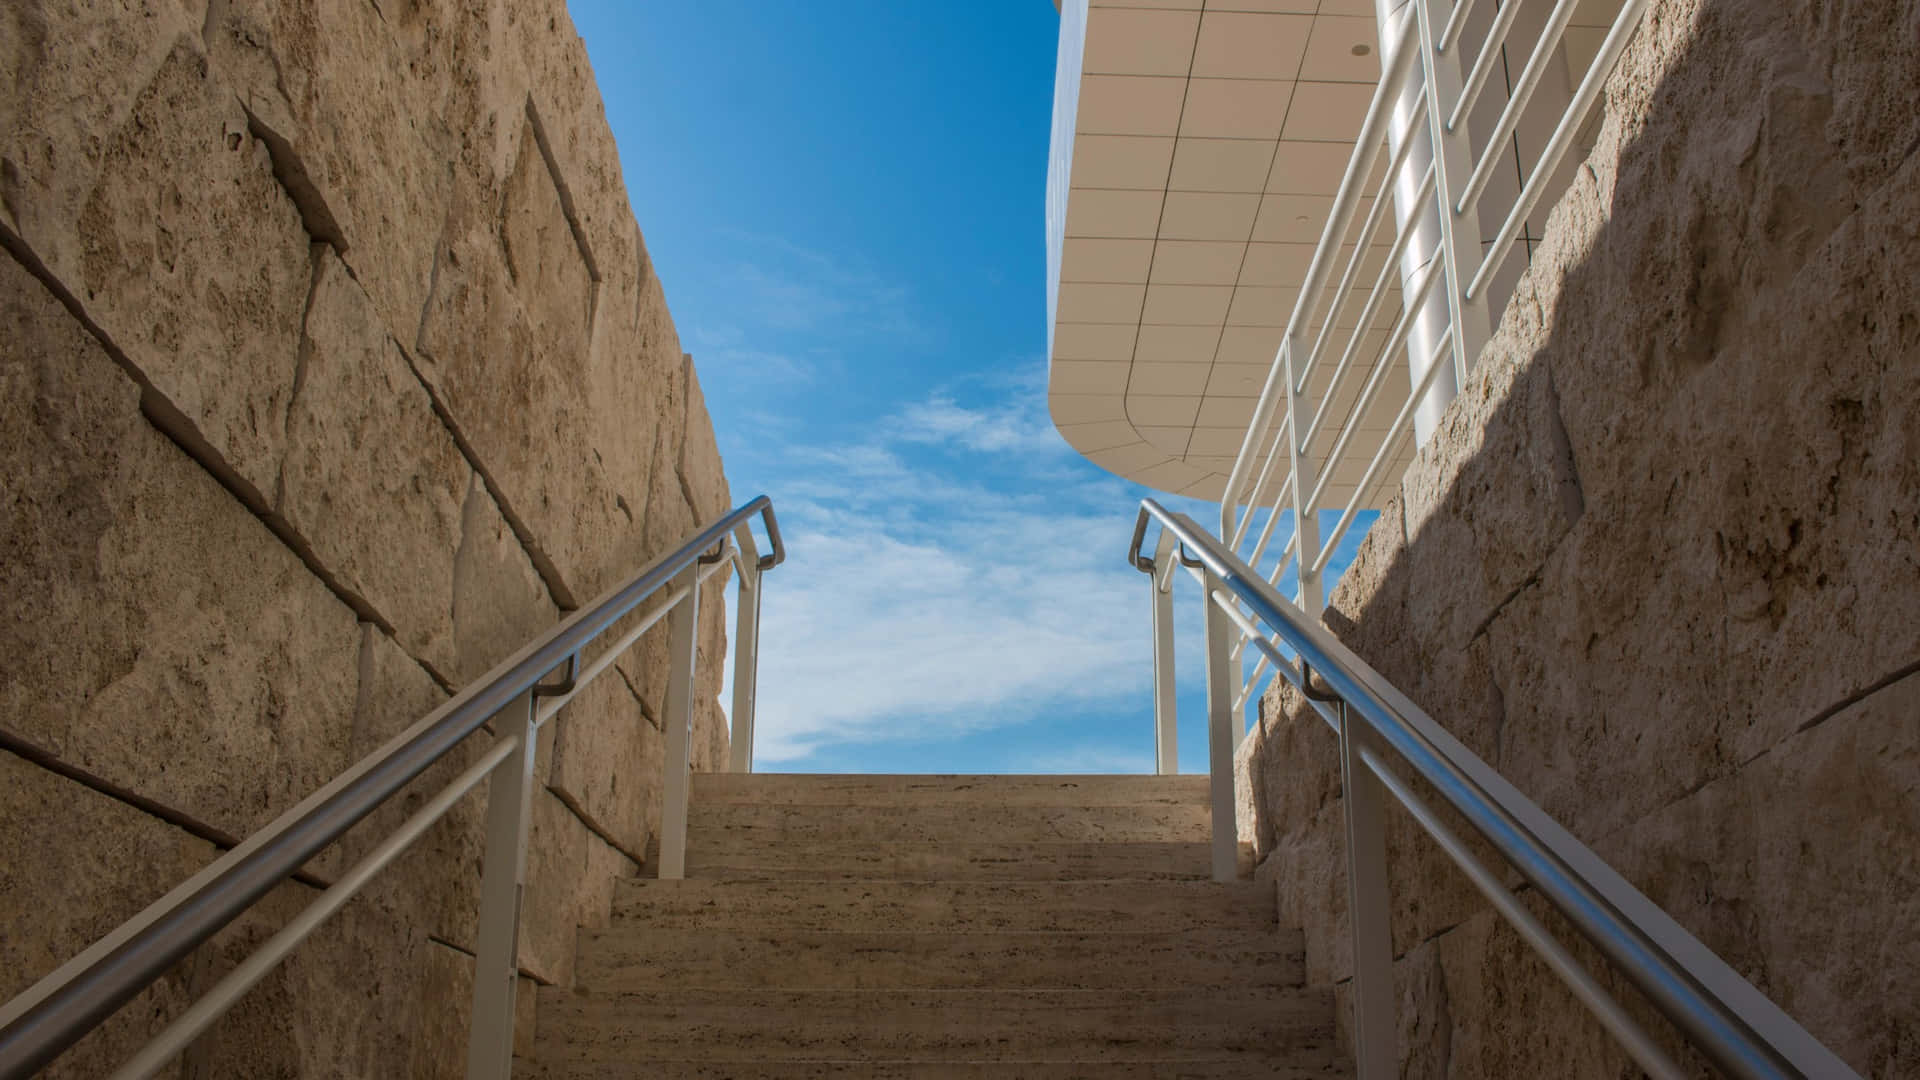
928 926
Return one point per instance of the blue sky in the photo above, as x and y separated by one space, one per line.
845 203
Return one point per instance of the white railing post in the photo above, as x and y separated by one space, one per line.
1220 732
1166 737
496 963
1374 1026
683 630
746 655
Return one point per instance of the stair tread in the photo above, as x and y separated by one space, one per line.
716 857
632 957
915 1025
946 905
777 789
853 823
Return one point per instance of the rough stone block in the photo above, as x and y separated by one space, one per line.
373 482
332 90
163 638
348 1002
700 468
607 759
435 884
500 602
190 250
72 72
441 1051
523 409
570 881
75 864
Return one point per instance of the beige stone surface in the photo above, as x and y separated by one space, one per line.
372 480
499 600
441 1051
162 638
73 865
357 130
700 471
1659 564
607 758
570 881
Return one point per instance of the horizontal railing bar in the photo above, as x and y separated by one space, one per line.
1490 53
1383 199
1584 97
1401 421
1736 1026
1367 149
1409 311
1372 312
214 1004
1517 100
1266 469
1273 519
57 1011
1456 24
1631 1036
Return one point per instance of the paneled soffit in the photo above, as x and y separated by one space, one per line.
1197 148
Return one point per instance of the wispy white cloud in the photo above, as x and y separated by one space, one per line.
924 600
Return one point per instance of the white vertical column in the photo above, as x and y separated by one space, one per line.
1421 219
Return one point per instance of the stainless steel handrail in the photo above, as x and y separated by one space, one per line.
1734 1025
60 1010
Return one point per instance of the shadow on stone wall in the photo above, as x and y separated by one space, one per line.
1660 565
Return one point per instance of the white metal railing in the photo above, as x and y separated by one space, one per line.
57 1011
1431 295
1385 741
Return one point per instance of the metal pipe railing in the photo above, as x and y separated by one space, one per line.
1718 1012
64 1006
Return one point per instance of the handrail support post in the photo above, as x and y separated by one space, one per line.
746 656
1166 723
1220 733
683 629
1374 1027
496 970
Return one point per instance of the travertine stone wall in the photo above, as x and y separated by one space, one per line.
334 369
1661 566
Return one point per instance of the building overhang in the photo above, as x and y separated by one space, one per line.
1196 151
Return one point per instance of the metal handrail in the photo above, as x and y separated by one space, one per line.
1734 1025
63 1007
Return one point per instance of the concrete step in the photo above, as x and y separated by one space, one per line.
714 854
634 958
1184 1069
764 824
717 1026
898 906
802 789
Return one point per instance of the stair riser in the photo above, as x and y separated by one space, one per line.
1130 906
717 858
776 789
923 1025
630 959
950 824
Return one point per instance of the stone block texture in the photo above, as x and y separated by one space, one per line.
1660 563
335 369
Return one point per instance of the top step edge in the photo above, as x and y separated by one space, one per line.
1090 789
